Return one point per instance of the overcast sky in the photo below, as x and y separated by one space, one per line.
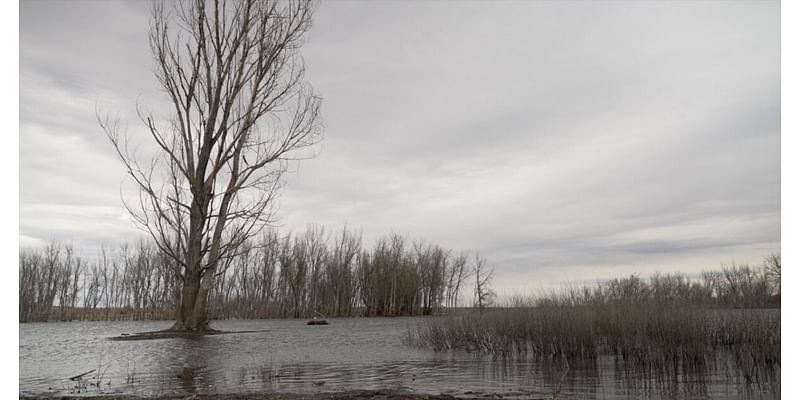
563 141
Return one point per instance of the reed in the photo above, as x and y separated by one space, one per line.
645 333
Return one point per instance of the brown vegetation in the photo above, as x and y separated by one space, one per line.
668 324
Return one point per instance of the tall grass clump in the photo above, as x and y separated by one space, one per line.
668 325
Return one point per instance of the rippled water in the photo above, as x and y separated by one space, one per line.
348 354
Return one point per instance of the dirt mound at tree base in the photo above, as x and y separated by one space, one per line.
168 334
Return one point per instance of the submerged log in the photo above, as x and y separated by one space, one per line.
80 376
170 333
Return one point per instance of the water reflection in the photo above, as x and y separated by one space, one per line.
187 359
355 354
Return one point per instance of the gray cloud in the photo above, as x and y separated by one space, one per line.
562 140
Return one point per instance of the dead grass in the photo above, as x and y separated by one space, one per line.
657 339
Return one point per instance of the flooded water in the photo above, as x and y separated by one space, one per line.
349 354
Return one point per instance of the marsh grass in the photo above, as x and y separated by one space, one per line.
659 340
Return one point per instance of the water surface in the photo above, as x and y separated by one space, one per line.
349 354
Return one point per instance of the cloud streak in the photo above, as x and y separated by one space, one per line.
563 141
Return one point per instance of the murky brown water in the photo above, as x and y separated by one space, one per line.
348 354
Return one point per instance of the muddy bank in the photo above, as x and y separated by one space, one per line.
354 395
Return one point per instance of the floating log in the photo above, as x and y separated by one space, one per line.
79 377
316 321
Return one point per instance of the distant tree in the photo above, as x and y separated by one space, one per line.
772 266
30 284
457 273
70 270
483 275
341 279
241 111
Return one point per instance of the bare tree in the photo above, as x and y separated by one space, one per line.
241 111
457 273
483 295
317 252
341 279
772 268
69 271
30 284
267 259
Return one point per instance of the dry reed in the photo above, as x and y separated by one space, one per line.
657 337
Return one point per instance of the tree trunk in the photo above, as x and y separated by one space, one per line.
191 313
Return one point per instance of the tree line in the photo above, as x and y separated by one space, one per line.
332 274
734 286
293 275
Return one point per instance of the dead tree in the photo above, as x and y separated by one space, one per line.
483 295
772 268
457 273
241 110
